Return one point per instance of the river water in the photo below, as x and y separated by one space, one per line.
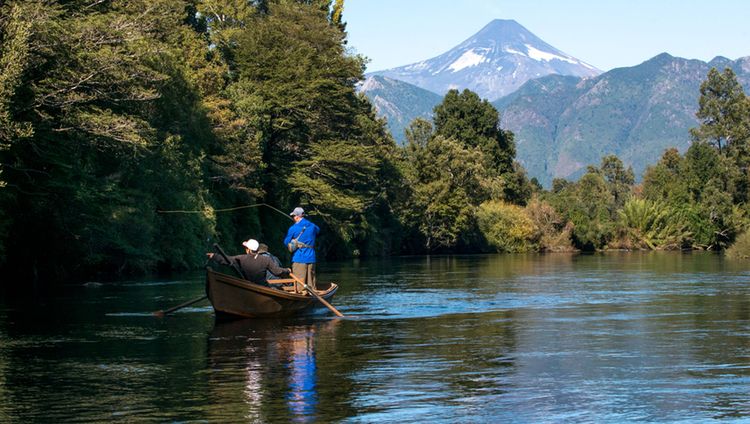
617 337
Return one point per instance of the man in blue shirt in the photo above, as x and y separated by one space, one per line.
301 241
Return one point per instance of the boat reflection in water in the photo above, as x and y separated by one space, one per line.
267 369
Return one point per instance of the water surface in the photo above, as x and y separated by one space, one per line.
659 337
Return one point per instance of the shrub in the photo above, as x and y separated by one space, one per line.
506 227
741 247
586 204
551 232
650 225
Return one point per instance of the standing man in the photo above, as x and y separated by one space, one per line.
301 242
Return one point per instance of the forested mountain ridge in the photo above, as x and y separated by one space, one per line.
398 102
562 124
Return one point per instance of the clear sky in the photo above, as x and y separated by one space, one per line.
604 33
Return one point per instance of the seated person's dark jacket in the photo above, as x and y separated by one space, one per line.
254 266
274 259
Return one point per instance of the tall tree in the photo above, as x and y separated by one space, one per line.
724 112
111 93
15 31
321 144
476 123
618 179
295 84
445 179
666 182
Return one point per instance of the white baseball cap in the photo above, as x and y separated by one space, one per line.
251 244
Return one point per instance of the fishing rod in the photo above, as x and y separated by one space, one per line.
227 210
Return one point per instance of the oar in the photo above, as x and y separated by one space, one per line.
317 296
180 306
229 262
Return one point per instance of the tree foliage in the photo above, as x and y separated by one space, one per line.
446 181
506 227
724 113
103 107
130 132
652 225
464 161
709 184
126 125
476 123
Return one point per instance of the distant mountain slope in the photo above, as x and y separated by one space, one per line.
563 124
494 62
399 102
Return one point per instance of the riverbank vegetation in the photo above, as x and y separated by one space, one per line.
135 133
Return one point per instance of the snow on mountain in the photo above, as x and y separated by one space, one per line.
470 58
494 62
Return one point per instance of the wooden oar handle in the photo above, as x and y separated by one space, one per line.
317 296
229 262
221 252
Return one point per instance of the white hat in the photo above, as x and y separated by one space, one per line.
298 211
251 244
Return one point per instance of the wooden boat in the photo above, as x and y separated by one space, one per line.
233 296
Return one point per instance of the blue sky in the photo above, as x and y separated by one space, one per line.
606 33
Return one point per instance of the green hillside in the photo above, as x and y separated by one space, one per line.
563 124
399 102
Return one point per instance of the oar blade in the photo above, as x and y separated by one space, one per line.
161 313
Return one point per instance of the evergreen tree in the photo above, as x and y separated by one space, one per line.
418 134
665 182
337 11
586 203
445 179
109 101
293 88
619 180
476 123
295 85
15 32
724 113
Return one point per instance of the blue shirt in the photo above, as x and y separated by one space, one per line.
303 255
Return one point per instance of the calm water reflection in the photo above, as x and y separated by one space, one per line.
658 337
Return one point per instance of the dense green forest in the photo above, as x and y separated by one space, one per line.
133 134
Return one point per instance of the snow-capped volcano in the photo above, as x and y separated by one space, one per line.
493 62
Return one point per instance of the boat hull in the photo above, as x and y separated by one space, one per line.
235 297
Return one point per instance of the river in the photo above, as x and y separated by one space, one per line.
616 337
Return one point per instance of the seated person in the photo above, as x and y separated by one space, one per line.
263 251
254 266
